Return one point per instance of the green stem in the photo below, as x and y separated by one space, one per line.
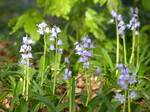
88 87
125 53
43 71
55 71
24 81
124 104
28 80
129 109
138 52
70 96
117 52
133 49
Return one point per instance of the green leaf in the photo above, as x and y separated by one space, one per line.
63 36
108 103
62 106
145 4
3 108
12 21
95 1
102 2
94 103
28 21
42 3
37 87
20 22
50 106
107 59
22 107
145 28
90 19
146 96
31 29
99 34
115 4
59 8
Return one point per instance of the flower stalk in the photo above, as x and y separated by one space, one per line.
25 49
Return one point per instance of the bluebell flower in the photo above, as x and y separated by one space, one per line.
114 14
132 80
68 73
120 66
47 30
67 60
59 50
86 65
134 74
51 39
120 97
24 48
139 81
98 70
27 41
52 47
112 21
91 46
81 59
59 42
29 55
42 25
42 28
132 94
119 18
53 35
123 84
124 77
41 31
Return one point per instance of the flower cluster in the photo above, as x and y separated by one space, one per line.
43 28
121 24
125 79
83 52
25 49
120 97
55 30
134 23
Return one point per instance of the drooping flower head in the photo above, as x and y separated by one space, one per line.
132 94
42 28
83 50
134 24
54 38
25 49
120 97
68 73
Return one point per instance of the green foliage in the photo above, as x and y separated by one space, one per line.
145 4
76 18
50 106
59 8
28 21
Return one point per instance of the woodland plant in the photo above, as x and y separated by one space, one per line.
53 83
